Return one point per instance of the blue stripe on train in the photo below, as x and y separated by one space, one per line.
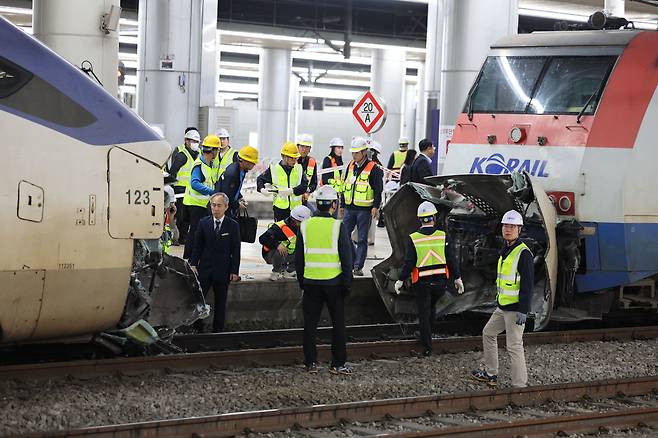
618 254
116 124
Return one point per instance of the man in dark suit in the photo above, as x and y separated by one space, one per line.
422 166
216 256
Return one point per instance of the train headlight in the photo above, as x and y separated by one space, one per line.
564 202
517 134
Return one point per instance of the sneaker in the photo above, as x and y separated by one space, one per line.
483 376
343 369
276 276
358 272
311 368
292 275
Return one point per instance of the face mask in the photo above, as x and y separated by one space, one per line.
194 146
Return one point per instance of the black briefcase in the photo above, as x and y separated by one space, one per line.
248 226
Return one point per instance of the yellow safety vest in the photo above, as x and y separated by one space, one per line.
430 255
398 159
508 281
291 237
192 197
321 258
224 162
357 191
335 182
281 180
185 171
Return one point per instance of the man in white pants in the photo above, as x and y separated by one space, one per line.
514 283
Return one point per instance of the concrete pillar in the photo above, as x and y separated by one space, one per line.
409 126
469 30
421 107
209 88
433 58
387 73
614 7
274 101
72 28
169 70
295 107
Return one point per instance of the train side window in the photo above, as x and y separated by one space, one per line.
27 93
505 84
570 83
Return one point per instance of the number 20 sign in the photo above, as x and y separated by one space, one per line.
370 112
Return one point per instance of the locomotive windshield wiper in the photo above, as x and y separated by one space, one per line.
469 112
589 100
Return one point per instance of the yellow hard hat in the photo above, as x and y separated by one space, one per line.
289 149
249 153
211 141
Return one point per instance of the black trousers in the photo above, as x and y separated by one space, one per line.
195 214
182 220
280 213
315 297
220 289
427 293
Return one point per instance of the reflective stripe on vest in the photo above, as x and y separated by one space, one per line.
430 254
185 171
281 180
321 258
508 281
358 191
398 159
192 197
290 236
310 168
226 161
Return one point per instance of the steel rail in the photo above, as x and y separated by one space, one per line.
293 355
328 415
549 426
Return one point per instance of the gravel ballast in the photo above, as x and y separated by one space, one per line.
71 403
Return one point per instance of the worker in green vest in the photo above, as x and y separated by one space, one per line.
226 155
279 242
180 169
308 163
202 185
397 158
514 283
333 161
284 181
431 263
323 259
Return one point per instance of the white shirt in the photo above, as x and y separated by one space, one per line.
217 224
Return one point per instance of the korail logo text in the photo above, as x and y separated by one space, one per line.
497 164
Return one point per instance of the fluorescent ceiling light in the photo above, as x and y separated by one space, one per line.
17 11
554 15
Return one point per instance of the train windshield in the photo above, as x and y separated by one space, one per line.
540 85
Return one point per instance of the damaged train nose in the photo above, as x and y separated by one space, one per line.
469 210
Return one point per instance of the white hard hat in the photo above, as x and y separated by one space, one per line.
512 217
326 193
169 195
376 146
222 133
403 140
425 209
336 141
358 144
305 140
193 134
301 213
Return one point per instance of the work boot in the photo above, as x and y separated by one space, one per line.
342 369
292 275
311 368
276 276
358 272
483 376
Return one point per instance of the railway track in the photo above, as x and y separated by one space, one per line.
307 420
293 355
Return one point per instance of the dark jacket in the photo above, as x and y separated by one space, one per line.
376 180
216 257
326 164
526 270
266 177
230 184
273 236
421 168
178 160
410 258
405 174
345 250
313 182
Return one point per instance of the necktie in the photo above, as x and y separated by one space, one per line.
217 227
